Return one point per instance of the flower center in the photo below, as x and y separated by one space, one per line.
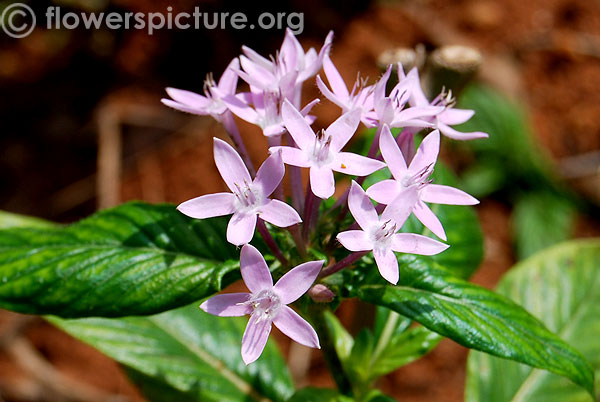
247 198
419 179
382 234
320 152
265 304
444 99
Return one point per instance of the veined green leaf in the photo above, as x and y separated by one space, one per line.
186 353
134 259
10 220
561 287
541 219
479 319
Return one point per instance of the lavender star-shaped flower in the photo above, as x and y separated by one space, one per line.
322 152
248 199
212 101
286 71
449 114
416 174
267 303
264 112
360 97
379 233
394 109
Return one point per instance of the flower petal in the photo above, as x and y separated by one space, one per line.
229 79
387 264
279 214
355 240
183 108
188 98
258 75
453 116
400 209
335 98
322 183
257 58
230 165
208 206
380 87
292 156
296 327
297 281
241 109
361 207
335 79
255 338
343 129
416 244
240 229
439 194
270 174
457 135
427 153
355 165
255 271
385 191
227 305
392 154
297 126
428 218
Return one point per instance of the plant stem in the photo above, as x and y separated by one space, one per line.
232 129
275 142
295 179
311 202
386 335
297 236
266 235
316 315
343 263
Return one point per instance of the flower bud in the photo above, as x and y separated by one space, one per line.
321 294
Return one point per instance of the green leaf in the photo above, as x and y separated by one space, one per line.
540 220
186 353
561 287
403 348
311 394
510 147
342 340
463 230
134 259
10 220
477 318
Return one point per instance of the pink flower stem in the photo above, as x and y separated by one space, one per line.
266 235
310 203
295 179
234 134
343 263
275 142
297 236
372 151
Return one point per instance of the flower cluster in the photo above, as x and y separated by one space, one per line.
273 102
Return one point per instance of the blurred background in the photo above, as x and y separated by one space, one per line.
82 127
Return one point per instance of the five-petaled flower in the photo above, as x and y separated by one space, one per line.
248 199
212 101
267 303
380 233
416 174
322 153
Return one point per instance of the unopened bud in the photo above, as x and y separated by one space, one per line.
321 294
